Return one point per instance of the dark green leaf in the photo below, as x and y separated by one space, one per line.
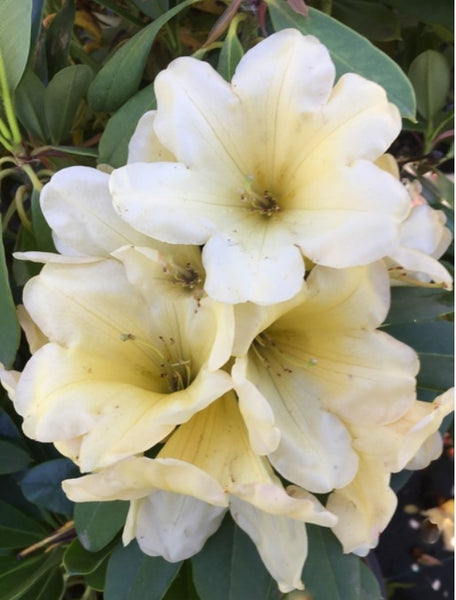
417 304
9 325
20 579
370 18
17 530
120 77
183 587
41 229
132 575
12 458
113 148
350 52
229 567
10 431
42 485
62 97
76 151
436 372
152 8
230 54
79 561
98 522
97 579
330 574
439 12
50 587
58 38
15 24
37 19
430 76
29 105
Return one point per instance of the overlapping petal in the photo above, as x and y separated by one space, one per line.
274 162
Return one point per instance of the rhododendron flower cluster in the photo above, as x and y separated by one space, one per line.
207 337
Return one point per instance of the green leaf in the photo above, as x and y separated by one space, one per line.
97 579
58 38
418 304
230 54
229 567
152 8
98 522
183 587
350 52
9 325
49 587
132 575
41 229
29 105
330 574
79 561
430 76
370 18
42 485
12 458
15 24
113 147
62 97
20 579
17 530
439 12
120 77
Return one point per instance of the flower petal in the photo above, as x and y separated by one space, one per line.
280 541
364 507
78 206
144 145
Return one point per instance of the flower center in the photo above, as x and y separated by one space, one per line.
273 358
263 203
186 275
174 371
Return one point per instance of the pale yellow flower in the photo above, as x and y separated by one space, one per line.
275 166
310 367
122 366
179 498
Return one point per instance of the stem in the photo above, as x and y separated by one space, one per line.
8 104
19 201
37 185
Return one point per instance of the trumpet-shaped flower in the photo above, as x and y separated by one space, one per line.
122 366
313 365
267 170
179 498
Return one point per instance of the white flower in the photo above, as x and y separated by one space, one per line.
178 499
122 366
276 165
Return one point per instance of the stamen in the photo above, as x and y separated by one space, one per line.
263 203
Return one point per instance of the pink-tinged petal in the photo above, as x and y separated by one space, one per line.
144 146
364 507
78 206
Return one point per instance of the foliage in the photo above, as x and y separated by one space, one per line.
72 92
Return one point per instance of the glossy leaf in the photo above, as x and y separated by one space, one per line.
42 485
230 567
183 587
9 325
369 17
12 458
17 530
113 147
15 24
62 97
132 575
329 573
430 76
41 229
98 522
97 579
79 561
120 77
29 105
418 304
350 52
